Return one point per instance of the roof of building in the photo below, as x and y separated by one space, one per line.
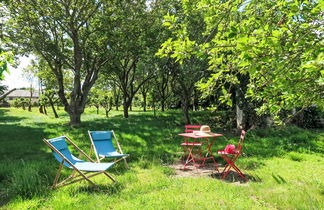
23 94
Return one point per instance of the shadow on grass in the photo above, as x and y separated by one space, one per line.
234 177
111 189
5 118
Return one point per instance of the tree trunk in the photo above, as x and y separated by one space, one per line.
97 109
45 111
125 106
7 93
117 102
107 113
75 118
144 102
130 107
195 101
162 105
154 110
54 111
239 117
30 99
185 109
125 111
41 109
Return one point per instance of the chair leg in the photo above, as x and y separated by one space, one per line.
184 154
73 174
57 175
216 165
239 172
107 174
231 164
90 153
86 178
227 167
227 171
189 158
62 184
126 164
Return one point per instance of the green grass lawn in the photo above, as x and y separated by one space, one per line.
285 165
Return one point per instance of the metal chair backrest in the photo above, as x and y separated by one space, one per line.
192 128
241 141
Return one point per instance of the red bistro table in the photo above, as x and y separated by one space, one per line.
190 152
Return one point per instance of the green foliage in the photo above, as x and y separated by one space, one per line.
15 103
20 102
276 43
5 58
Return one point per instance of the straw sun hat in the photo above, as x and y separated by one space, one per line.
204 131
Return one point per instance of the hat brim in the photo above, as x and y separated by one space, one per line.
202 133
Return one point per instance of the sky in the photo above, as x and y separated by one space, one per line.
15 77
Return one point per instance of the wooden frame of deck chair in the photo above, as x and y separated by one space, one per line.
101 144
82 170
231 157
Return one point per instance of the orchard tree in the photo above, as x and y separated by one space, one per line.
43 102
135 39
274 44
93 99
69 35
106 101
128 46
162 80
189 69
16 103
185 76
52 99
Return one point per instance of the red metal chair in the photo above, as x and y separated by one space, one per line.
192 128
191 149
230 155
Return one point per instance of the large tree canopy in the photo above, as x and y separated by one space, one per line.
69 35
277 44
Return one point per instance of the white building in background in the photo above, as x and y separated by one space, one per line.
22 94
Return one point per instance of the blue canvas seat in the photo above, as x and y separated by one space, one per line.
63 155
102 144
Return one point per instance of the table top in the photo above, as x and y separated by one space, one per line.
192 135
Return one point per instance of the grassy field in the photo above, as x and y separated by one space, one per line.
285 165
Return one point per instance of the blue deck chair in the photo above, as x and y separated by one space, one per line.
82 170
101 143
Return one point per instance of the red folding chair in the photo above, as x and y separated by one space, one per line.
191 149
230 155
192 128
